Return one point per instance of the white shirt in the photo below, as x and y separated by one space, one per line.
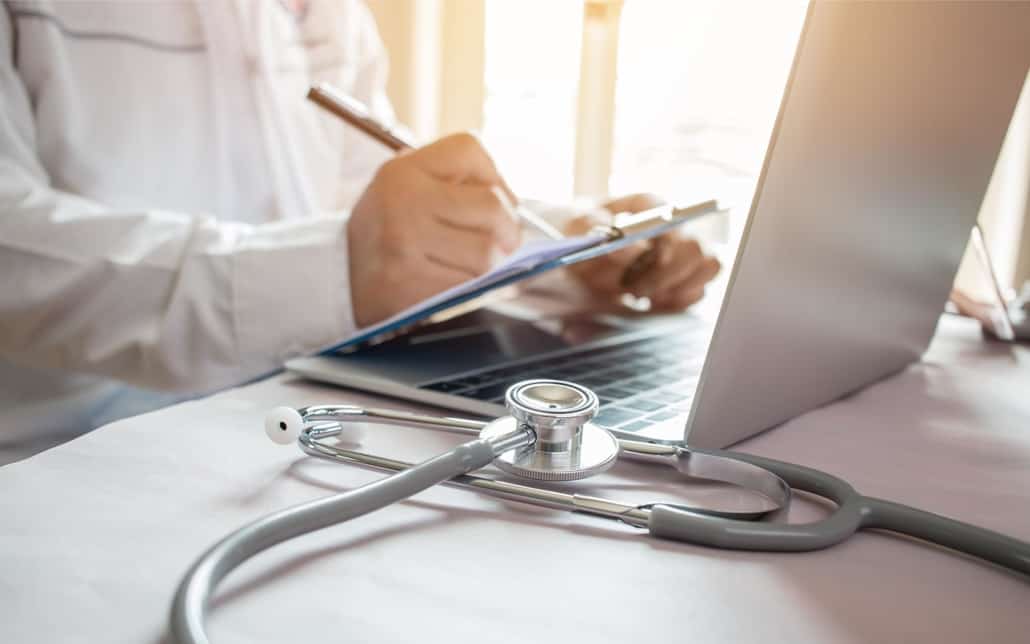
172 209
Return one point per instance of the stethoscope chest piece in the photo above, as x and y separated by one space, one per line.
568 446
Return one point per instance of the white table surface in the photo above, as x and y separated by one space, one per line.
94 535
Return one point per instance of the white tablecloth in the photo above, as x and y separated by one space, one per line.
94 535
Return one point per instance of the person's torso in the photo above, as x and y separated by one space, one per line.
190 106
195 107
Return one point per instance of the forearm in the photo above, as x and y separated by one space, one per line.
159 299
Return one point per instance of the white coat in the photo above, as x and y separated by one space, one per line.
172 209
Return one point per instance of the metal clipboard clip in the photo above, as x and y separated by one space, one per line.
627 224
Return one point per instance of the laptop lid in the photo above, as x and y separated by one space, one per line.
887 136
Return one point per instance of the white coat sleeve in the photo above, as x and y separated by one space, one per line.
168 300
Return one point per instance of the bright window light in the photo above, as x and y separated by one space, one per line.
532 71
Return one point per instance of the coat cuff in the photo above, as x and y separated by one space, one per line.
292 290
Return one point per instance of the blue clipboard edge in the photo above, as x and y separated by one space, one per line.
663 218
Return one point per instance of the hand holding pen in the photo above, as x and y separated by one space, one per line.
436 216
430 219
356 114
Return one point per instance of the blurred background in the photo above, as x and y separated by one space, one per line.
586 98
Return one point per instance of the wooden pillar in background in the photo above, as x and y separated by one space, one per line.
437 52
463 65
595 121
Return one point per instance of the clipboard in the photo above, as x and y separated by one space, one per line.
626 229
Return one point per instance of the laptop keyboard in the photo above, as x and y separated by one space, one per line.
638 383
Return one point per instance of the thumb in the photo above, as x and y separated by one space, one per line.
460 158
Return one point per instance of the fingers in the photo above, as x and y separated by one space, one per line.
579 225
690 289
604 274
472 252
433 277
677 260
681 301
634 203
460 158
478 208
599 277
583 224
675 280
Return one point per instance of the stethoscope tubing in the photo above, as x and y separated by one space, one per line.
191 599
327 421
964 538
728 530
854 512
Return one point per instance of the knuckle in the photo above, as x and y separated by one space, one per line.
390 169
693 297
505 232
466 140
490 200
451 197
646 200
482 257
471 147
692 246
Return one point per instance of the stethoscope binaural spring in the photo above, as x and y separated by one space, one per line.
548 436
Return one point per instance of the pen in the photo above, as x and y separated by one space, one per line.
356 114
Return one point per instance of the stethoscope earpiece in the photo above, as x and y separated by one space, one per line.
283 425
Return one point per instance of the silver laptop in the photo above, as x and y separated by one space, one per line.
886 139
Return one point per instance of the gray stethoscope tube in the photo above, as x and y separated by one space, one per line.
854 511
549 437
693 463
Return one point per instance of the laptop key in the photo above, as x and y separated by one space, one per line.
665 360
563 375
574 371
615 392
655 381
612 416
635 426
593 382
667 396
643 404
620 374
489 392
665 414
473 381
507 372
635 386
446 386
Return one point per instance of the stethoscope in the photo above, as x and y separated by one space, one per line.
548 436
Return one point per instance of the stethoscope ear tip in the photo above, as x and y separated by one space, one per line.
283 425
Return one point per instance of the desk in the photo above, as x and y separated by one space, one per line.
96 534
